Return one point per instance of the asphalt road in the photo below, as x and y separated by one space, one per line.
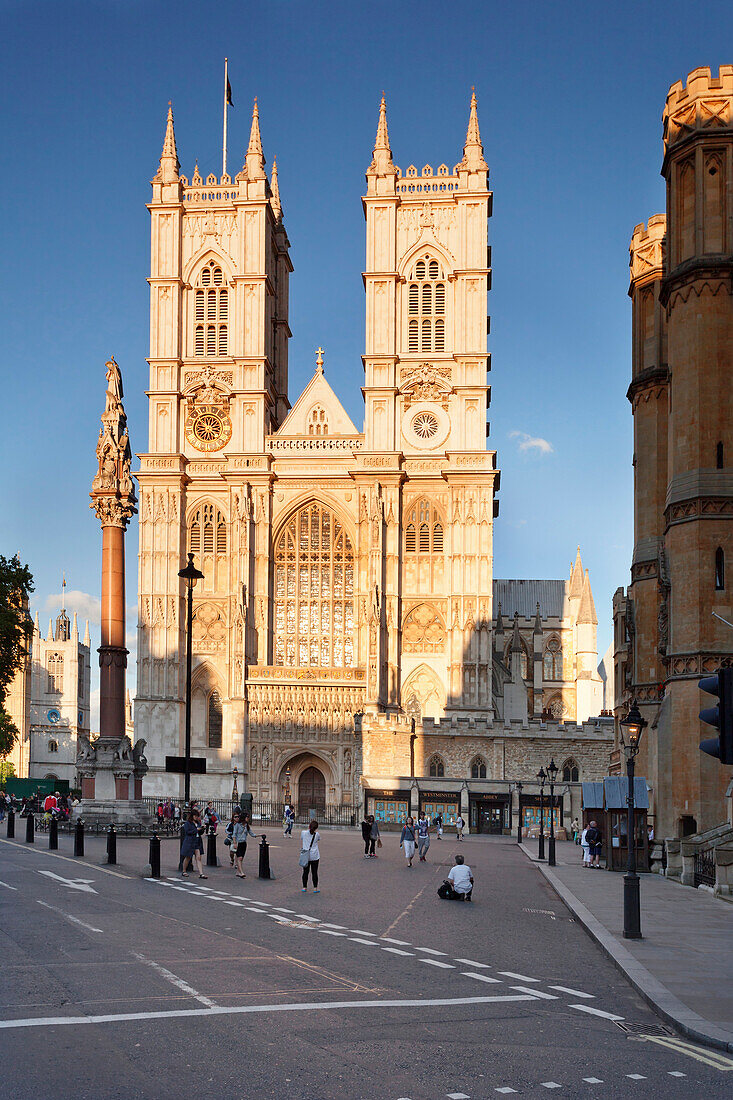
114 986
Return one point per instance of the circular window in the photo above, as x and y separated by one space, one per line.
207 428
425 425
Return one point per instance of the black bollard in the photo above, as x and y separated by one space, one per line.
111 845
154 856
211 860
30 828
264 871
11 824
79 839
53 834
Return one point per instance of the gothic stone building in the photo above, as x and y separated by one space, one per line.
348 574
667 634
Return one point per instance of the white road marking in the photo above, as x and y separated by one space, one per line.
74 920
179 983
81 884
7 887
519 977
237 1010
535 992
551 1085
330 932
327 924
437 962
55 855
676 1073
636 1076
593 1080
429 951
480 977
397 951
458 1096
505 1089
306 916
472 962
572 992
400 943
361 932
596 1012
369 943
282 909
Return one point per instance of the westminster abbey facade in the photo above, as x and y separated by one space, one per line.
348 571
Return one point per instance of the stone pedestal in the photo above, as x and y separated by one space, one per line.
114 811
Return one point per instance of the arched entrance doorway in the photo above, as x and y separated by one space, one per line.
311 790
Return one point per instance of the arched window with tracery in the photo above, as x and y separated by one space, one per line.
570 771
426 306
314 590
55 667
211 313
478 768
436 767
552 660
207 541
423 529
318 421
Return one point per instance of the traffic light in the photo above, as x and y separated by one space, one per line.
721 717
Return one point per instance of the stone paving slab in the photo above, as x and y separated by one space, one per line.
684 964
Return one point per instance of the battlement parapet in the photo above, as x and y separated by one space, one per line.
647 248
704 103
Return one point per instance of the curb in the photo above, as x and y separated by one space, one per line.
665 1003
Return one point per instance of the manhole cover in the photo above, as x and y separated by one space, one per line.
641 1030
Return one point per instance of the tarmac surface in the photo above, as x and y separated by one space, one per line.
118 986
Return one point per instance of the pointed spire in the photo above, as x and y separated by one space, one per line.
254 162
576 578
75 627
473 150
49 637
587 609
499 629
196 180
37 625
275 189
169 166
87 639
319 360
516 640
382 159
63 591
537 621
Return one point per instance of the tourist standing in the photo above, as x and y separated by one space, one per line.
459 828
595 844
310 855
585 847
439 825
374 837
407 840
423 837
366 832
229 834
189 839
240 832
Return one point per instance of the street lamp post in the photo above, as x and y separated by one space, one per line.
413 739
287 784
518 786
552 776
190 575
541 777
631 728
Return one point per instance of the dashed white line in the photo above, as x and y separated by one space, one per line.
307 916
68 916
437 962
472 962
519 977
480 977
282 909
397 951
430 951
505 1089
7 887
400 943
676 1073
361 932
535 992
572 992
179 983
596 1012
593 1080
458 1096
369 943
636 1076
551 1085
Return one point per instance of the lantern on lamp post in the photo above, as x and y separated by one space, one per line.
552 770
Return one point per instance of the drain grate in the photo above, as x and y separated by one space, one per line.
633 1030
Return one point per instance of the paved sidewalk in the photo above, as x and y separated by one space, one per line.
684 964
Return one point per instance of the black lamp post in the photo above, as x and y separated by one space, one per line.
541 777
287 784
518 786
631 728
413 739
552 776
190 575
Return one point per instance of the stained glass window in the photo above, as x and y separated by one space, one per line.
314 591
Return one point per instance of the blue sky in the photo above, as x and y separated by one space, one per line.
570 100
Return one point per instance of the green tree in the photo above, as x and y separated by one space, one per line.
16 584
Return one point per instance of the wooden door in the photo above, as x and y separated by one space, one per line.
311 790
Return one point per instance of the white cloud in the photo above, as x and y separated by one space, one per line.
85 605
532 443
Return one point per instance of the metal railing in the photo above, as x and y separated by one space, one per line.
222 806
100 828
705 867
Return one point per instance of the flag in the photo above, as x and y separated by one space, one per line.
229 93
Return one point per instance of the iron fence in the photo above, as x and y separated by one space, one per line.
100 828
337 814
705 867
222 806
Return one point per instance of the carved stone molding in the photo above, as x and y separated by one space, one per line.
700 508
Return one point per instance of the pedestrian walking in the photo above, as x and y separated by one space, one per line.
229 834
439 825
408 839
585 846
189 841
594 840
198 853
574 829
375 841
423 836
366 832
459 828
289 821
310 855
240 832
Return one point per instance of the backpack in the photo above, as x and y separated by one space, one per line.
593 837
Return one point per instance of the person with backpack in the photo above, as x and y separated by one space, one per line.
459 884
594 840
211 818
408 839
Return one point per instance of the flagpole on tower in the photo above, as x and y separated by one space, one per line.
227 96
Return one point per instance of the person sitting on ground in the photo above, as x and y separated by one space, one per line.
459 884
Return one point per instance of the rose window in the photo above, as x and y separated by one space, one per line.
425 425
207 428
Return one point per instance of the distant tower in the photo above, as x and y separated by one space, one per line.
682 400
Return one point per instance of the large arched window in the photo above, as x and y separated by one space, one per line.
436 767
314 591
423 529
552 660
478 768
570 771
214 721
211 313
426 306
207 532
